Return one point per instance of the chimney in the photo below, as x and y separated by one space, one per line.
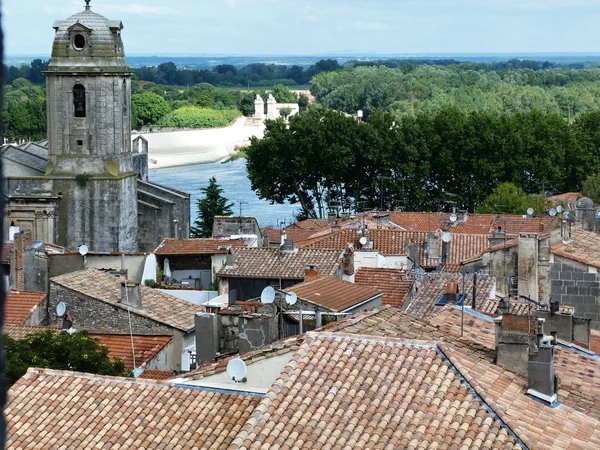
131 295
522 346
23 240
311 272
288 246
265 239
230 261
451 292
432 249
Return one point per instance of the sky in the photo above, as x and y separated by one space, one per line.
320 27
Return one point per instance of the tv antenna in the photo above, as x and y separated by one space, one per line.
241 204
237 370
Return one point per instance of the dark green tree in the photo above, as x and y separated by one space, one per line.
148 108
283 94
507 198
60 351
591 188
211 205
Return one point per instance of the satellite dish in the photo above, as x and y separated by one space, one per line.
453 218
446 237
61 309
552 212
291 298
530 211
83 250
559 209
363 240
267 295
567 214
237 370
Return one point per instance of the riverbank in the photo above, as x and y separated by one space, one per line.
184 148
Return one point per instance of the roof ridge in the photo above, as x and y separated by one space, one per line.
370 338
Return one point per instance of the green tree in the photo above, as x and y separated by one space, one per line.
283 94
591 188
60 351
148 108
211 205
507 198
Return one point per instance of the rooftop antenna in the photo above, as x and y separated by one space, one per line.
237 370
241 204
552 212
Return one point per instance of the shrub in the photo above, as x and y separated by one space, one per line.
196 117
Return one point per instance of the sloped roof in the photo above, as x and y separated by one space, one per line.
584 247
155 374
333 294
394 283
170 246
55 409
158 306
348 391
119 346
309 225
19 306
260 262
512 224
22 331
432 288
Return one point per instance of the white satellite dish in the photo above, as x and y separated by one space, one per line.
446 237
453 218
363 240
552 212
237 370
566 214
83 250
291 298
267 295
530 211
559 209
61 309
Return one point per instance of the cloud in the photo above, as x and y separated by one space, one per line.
311 18
370 26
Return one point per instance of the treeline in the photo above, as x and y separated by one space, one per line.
325 159
227 75
512 64
33 72
410 90
24 114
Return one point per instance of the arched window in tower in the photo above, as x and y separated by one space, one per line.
79 100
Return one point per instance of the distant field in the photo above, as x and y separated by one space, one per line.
299 87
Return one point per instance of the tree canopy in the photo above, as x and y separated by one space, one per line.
60 351
212 204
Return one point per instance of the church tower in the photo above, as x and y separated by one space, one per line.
89 135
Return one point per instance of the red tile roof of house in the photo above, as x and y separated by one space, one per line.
584 247
68 410
334 294
309 225
171 246
119 346
19 306
155 374
259 262
158 306
5 249
394 283
18 332
512 224
349 391
431 290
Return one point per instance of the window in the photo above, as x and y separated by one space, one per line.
80 143
456 299
78 42
79 100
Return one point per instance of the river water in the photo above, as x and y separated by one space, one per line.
232 177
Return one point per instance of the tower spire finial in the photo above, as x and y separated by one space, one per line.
87 4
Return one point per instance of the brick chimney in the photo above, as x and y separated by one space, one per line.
131 295
311 272
23 240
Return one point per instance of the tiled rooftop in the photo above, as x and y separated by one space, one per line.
49 409
584 247
309 225
259 262
158 306
146 347
196 246
154 374
19 306
347 391
22 331
334 294
394 283
430 291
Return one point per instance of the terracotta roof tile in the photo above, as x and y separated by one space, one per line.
155 374
514 225
347 391
259 262
309 225
66 410
394 283
5 249
22 331
196 246
584 247
334 294
429 292
158 306
146 347
19 306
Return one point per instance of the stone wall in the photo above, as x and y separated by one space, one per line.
256 332
577 285
91 314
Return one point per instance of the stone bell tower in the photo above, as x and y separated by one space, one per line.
89 134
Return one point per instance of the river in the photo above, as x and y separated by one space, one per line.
232 177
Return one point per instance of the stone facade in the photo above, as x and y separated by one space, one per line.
576 285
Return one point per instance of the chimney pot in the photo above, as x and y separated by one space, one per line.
131 295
